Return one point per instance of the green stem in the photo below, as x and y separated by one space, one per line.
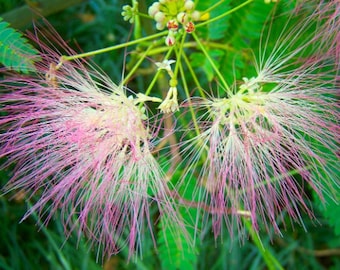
224 14
144 15
179 54
137 31
218 73
154 79
225 47
136 66
213 7
111 48
152 83
187 93
192 44
147 92
159 50
271 262
194 77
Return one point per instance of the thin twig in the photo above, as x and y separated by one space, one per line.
207 208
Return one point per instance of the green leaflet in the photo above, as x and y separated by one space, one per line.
332 212
330 206
15 51
174 254
244 32
218 29
213 31
235 32
180 254
199 60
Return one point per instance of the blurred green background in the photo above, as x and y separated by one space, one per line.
94 24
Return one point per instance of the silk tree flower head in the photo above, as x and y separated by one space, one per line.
83 145
268 138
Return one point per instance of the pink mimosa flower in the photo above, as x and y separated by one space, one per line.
269 137
83 146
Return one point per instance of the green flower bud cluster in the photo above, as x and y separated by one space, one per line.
173 13
129 12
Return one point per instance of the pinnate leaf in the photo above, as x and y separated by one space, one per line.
15 51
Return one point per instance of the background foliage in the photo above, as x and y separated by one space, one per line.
96 24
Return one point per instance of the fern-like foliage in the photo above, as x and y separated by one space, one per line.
218 29
244 32
15 51
175 254
213 32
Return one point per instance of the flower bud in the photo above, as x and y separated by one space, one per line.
196 15
153 9
172 25
189 5
189 27
159 16
182 17
160 26
170 39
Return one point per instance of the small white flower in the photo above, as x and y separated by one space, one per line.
170 39
170 103
140 97
249 84
165 65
